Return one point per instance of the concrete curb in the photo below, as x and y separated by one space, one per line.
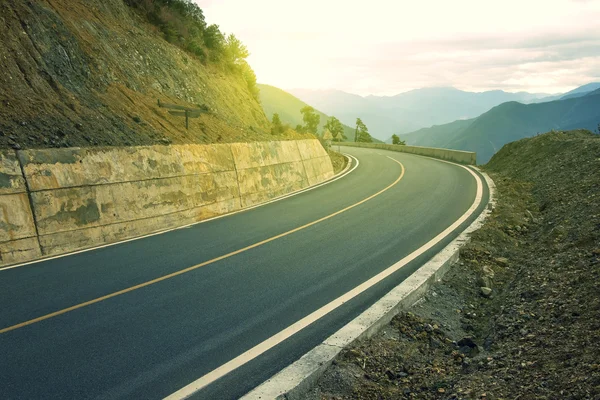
297 379
457 156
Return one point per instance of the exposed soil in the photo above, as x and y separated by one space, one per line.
90 72
536 334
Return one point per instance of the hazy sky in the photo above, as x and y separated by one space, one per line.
386 47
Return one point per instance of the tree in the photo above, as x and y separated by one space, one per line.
365 137
311 119
396 140
276 125
250 78
235 51
335 127
362 133
215 41
359 123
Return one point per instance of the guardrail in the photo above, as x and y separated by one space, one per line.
457 156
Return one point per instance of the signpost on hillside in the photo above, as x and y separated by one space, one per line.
181 111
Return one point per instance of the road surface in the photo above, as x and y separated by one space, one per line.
143 319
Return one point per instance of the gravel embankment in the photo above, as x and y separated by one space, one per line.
519 316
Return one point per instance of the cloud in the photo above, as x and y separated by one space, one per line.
385 47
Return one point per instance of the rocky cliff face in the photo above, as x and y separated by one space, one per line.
90 72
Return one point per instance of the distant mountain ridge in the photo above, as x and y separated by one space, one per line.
409 111
595 92
581 91
510 121
484 133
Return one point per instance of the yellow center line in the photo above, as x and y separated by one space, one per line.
183 271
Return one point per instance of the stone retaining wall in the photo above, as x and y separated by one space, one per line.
84 197
18 240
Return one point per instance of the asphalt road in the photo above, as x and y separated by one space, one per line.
150 342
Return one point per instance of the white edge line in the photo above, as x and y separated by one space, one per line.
340 175
279 337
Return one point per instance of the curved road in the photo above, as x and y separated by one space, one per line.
150 341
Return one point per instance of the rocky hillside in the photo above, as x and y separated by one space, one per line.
90 72
519 315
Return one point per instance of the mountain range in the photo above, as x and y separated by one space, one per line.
511 121
577 92
409 111
446 117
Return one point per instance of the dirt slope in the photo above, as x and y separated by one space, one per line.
537 334
90 72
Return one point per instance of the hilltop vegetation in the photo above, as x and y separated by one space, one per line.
510 121
182 23
90 72
288 108
277 101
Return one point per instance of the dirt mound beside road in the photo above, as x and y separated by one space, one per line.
536 333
